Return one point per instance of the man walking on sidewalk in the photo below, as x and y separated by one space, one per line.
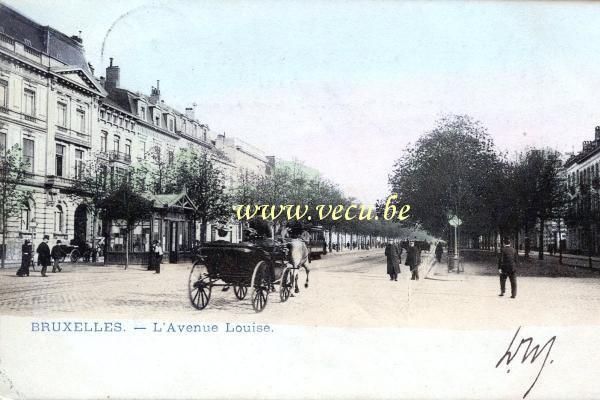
43 251
507 267
57 255
412 260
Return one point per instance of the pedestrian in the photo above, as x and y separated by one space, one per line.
156 254
439 250
26 254
393 261
507 265
44 258
57 254
412 260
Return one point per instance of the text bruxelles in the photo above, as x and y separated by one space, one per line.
339 212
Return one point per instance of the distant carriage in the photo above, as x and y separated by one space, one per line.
313 235
255 266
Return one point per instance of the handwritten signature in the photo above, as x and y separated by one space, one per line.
531 353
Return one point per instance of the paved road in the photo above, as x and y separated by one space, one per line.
348 289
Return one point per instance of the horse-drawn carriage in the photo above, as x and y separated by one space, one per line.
258 265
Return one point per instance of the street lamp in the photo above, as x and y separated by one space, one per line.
455 222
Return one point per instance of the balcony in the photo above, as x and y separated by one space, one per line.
30 118
119 156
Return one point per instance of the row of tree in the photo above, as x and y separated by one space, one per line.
454 169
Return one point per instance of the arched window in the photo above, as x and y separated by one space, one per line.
59 219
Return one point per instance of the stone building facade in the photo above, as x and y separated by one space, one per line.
60 115
583 183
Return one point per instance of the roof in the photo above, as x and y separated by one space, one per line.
172 200
44 39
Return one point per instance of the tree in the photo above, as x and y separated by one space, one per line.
91 187
447 171
125 207
13 170
205 185
542 190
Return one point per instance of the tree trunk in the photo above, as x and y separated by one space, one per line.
94 252
541 244
202 230
560 258
3 246
590 244
527 242
126 242
330 238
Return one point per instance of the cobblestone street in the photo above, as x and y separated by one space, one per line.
349 289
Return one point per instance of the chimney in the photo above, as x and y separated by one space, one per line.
91 67
155 93
113 74
77 38
190 112
598 133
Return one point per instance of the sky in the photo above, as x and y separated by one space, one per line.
345 86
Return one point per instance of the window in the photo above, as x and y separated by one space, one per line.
120 121
128 147
61 117
81 121
28 154
60 159
103 141
158 121
116 143
2 144
59 219
3 93
115 118
102 114
25 217
78 163
171 125
143 112
170 156
29 106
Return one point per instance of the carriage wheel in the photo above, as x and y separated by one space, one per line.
75 255
199 286
287 282
260 284
240 291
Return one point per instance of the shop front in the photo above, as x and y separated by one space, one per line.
171 224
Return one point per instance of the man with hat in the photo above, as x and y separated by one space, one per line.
57 254
43 251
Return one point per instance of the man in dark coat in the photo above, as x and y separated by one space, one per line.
26 254
393 261
412 260
507 266
439 250
57 254
44 259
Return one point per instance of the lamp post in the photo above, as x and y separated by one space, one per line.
455 222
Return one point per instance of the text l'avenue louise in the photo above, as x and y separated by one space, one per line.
153 327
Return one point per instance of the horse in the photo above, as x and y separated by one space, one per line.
298 257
